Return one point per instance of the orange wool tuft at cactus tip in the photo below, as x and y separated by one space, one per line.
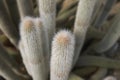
62 55
28 24
63 38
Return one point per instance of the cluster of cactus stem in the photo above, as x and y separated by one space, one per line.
51 53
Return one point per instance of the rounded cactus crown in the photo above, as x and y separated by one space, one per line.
64 37
27 24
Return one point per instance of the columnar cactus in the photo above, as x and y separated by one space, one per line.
50 56
13 65
82 22
24 57
110 38
31 36
7 25
47 10
62 55
25 8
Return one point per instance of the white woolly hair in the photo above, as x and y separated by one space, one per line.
62 55
24 57
26 25
31 38
64 37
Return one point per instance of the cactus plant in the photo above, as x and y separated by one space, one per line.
31 36
62 55
59 39
82 23
6 24
47 10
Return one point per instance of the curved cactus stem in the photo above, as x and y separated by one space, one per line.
85 71
104 13
82 22
24 57
25 8
99 74
98 8
110 38
7 26
10 61
74 77
7 73
98 61
13 9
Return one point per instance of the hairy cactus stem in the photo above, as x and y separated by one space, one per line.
82 22
24 57
47 10
31 36
62 55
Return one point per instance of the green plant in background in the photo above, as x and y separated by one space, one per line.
49 51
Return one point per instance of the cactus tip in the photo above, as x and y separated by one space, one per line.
27 24
63 37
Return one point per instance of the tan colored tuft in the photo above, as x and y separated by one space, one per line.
28 25
63 39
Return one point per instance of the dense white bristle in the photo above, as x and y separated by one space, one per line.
31 31
62 55
24 57
27 24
